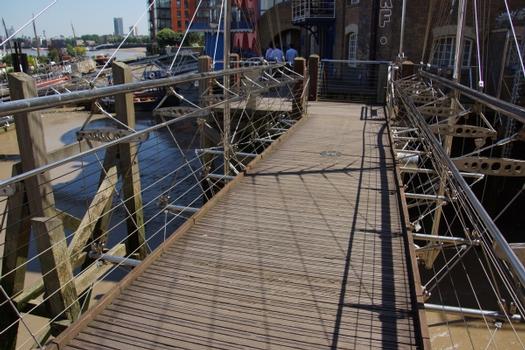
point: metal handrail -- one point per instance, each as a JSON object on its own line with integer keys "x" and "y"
{"x": 128, "y": 138}
{"x": 355, "y": 61}
{"x": 36, "y": 103}
{"x": 503, "y": 107}
{"x": 485, "y": 218}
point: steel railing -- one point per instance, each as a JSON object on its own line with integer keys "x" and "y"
{"x": 97, "y": 229}
{"x": 353, "y": 81}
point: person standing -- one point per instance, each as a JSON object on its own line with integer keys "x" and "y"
{"x": 291, "y": 54}
{"x": 269, "y": 53}
{"x": 277, "y": 55}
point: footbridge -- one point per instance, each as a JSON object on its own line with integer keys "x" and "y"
{"x": 261, "y": 217}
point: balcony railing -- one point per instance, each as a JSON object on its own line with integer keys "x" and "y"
{"x": 312, "y": 10}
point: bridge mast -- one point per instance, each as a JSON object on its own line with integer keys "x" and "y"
{"x": 226, "y": 82}
{"x": 454, "y": 108}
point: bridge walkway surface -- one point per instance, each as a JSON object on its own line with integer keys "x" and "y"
{"x": 306, "y": 250}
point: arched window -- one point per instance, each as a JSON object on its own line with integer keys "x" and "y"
{"x": 351, "y": 40}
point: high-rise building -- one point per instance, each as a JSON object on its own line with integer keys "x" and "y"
{"x": 118, "y": 26}
{"x": 173, "y": 14}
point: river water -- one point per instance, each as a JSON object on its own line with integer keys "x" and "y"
{"x": 122, "y": 54}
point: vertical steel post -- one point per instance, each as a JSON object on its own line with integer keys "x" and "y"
{"x": 226, "y": 82}
{"x": 402, "y": 36}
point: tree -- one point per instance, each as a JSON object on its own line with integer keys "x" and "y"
{"x": 8, "y": 59}
{"x": 167, "y": 36}
{"x": 80, "y": 51}
{"x": 91, "y": 37}
{"x": 70, "y": 50}
{"x": 195, "y": 39}
{"x": 53, "y": 55}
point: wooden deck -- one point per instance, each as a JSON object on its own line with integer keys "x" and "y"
{"x": 306, "y": 251}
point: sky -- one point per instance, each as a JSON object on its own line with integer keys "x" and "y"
{"x": 88, "y": 16}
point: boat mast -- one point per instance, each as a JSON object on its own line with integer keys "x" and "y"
{"x": 36, "y": 38}
{"x": 6, "y": 34}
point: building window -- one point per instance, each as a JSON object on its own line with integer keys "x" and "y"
{"x": 443, "y": 51}
{"x": 352, "y": 46}
{"x": 352, "y": 2}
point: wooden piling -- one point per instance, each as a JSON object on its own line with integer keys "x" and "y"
{"x": 298, "y": 102}
{"x": 56, "y": 269}
{"x": 313, "y": 73}
{"x": 129, "y": 167}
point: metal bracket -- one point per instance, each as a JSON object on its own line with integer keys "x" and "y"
{"x": 440, "y": 111}
{"x": 467, "y": 131}
{"x": 8, "y": 190}
{"x": 491, "y": 166}
{"x": 176, "y": 112}
{"x": 108, "y": 135}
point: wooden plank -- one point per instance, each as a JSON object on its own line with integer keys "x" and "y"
{"x": 56, "y": 269}
{"x": 69, "y": 221}
{"x": 93, "y": 273}
{"x": 284, "y": 257}
{"x": 67, "y": 336}
{"x": 93, "y": 213}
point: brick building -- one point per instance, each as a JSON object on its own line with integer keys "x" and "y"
{"x": 370, "y": 30}
{"x": 174, "y": 14}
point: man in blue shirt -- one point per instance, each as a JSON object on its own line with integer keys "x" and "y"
{"x": 291, "y": 54}
{"x": 269, "y": 53}
{"x": 277, "y": 55}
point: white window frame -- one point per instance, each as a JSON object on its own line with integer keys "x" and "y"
{"x": 443, "y": 50}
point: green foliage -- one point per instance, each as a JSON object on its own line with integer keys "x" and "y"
{"x": 8, "y": 59}
{"x": 167, "y": 36}
{"x": 195, "y": 39}
{"x": 80, "y": 51}
{"x": 94, "y": 37}
{"x": 76, "y": 51}
{"x": 70, "y": 50}
{"x": 53, "y": 55}
{"x": 31, "y": 60}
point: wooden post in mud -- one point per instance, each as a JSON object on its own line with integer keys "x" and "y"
{"x": 129, "y": 167}
{"x": 33, "y": 199}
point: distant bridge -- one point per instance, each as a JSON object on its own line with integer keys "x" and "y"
{"x": 115, "y": 45}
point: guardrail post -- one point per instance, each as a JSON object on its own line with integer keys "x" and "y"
{"x": 129, "y": 167}
{"x": 313, "y": 73}
{"x": 407, "y": 69}
{"x": 205, "y": 140}
{"x": 382, "y": 81}
{"x": 298, "y": 102}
